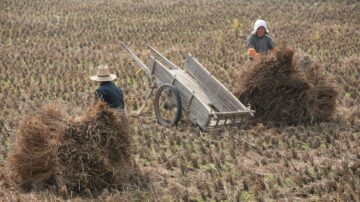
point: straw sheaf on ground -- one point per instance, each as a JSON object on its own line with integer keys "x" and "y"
{"x": 285, "y": 90}
{"x": 81, "y": 156}
{"x": 49, "y": 48}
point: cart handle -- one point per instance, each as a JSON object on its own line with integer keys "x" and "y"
{"x": 137, "y": 60}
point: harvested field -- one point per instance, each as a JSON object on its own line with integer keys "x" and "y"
{"x": 48, "y": 50}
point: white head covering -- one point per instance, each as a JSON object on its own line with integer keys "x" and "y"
{"x": 260, "y": 23}
{"x": 103, "y": 74}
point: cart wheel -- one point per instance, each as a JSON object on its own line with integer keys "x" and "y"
{"x": 167, "y": 105}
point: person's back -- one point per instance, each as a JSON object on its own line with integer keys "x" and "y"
{"x": 107, "y": 91}
{"x": 259, "y": 42}
{"x": 111, "y": 94}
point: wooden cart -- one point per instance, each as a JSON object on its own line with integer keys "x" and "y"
{"x": 206, "y": 102}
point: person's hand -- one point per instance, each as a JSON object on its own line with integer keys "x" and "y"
{"x": 273, "y": 51}
{"x": 252, "y": 52}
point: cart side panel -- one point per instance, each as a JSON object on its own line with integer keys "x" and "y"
{"x": 220, "y": 96}
{"x": 228, "y": 118}
{"x": 198, "y": 111}
{"x": 163, "y": 59}
{"x": 198, "y": 114}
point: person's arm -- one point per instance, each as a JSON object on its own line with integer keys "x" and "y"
{"x": 251, "y": 48}
{"x": 271, "y": 45}
{"x": 98, "y": 95}
{"x": 122, "y": 99}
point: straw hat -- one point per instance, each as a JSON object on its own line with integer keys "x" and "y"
{"x": 103, "y": 74}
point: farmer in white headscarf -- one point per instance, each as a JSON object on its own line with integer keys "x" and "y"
{"x": 259, "y": 41}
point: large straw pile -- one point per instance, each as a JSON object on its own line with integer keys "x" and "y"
{"x": 34, "y": 158}
{"x": 78, "y": 156}
{"x": 287, "y": 90}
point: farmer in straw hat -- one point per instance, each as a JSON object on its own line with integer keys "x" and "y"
{"x": 107, "y": 90}
{"x": 259, "y": 41}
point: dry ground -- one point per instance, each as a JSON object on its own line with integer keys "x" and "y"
{"x": 48, "y": 50}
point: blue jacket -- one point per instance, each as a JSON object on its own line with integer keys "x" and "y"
{"x": 111, "y": 94}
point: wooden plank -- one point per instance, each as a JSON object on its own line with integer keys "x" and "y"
{"x": 163, "y": 59}
{"x": 219, "y": 95}
{"x": 224, "y": 122}
{"x": 198, "y": 114}
{"x": 224, "y": 115}
{"x": 214, "y": 94}
{"x": 191, "y": 84}
{"x": 136, "y": 59}
{"x": 217, "y": 92}
{"x": 199, "y": 109}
